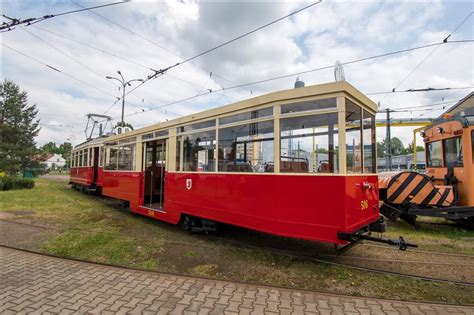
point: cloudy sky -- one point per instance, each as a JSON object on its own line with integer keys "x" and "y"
{"x": 142, "y": 35}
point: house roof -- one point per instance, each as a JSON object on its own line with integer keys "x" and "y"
{"x": 466, "y": 104}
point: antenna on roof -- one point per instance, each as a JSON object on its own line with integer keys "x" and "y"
{"x": 339, "y": 72}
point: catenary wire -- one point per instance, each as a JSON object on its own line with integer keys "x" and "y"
{"x": 315, "y": 70}
{"x": 223, "y": 44}
{"x": 428, "y": 56}
{"x": 69, "y": 56}
{"x": 15, "y": 22}
{"x": 156, "y": 44}
{"x": 57, "y": 70}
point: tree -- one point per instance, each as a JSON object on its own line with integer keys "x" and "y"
{"x": 409, "y": 149}
{"x": 381, "y": 149}
{"x": 18, "y": 128}
{"x": 397, "y": 147}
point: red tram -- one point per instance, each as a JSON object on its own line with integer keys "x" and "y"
{"x": 86, "y": 172}
{"x": 298, "y": 163}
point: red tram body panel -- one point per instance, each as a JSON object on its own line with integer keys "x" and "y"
{"x": 257, "y": 181}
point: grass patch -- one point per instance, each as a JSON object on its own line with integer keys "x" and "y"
{"x": 97, "y": 229}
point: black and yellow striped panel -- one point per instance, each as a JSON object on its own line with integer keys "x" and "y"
{"x": 416, "y": 188}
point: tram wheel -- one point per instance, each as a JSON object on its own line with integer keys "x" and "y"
{"x": 186, "y": 223}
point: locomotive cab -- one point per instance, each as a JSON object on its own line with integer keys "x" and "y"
{"x": 449, "y": 151}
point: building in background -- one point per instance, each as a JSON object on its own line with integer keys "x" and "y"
{"x": 55, "y": 161}
{"x": 465, "y": 105}
{"x": 402, "y": 162}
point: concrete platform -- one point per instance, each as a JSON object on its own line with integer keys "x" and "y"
{"x": 32, "y": 283}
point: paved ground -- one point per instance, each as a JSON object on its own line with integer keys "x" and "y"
{"x": 31, "y": 283}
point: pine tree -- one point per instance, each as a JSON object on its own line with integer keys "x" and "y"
{"x": 18, "y": 128}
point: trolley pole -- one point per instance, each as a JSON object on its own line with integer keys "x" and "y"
{"x": 124, "y": 84}
{"x": 388, "y": 142}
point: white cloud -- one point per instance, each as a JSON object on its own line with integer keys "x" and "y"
{"x": 316, "y": 37}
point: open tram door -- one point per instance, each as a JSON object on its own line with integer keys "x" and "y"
{"x": 154, "y": 168}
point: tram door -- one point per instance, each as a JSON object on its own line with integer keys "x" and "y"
{"x": 96, "y": 165}
{"x": 154, "y": 167}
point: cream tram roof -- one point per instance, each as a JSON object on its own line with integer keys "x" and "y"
{"x": 330, "y": 89}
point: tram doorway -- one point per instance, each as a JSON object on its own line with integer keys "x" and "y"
{"x": 95, "y": 165}
{"x": 154, "y": 167}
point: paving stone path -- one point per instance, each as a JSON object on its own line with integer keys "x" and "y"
{"x": 31, "y": 283}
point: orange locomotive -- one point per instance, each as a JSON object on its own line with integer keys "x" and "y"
{"x": 447, "y": 188}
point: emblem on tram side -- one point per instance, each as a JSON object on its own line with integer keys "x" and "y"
{"x": 189, "y": 183}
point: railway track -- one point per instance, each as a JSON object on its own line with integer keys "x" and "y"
{"x": 328, "y": 259}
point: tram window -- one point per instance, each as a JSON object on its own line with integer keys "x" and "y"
{"x": 433, "y": 154}
{"x": 196, "y": 126}
{"x": 163, "y": 133}
{"x": 147, "y": 136}
{"x": 472, "y": 145}
{"x": 178, "y": 153}
{"x": 308, "y": 144}
{"x": 80, "y": 158}
{"x": 76, "y": 159}
{"x": 368, "y": 125}
{"x": 86, "y": 157}
{"x": 353, "y": 138}
{"x": 126, "y": 158}
{"x": 247, "y": 148}
{"x": 198, "y": 153}
{"x": 111, "y": 156}
{"x": 325, "y": 103}
{"x": 266, "y": 112}
{"x": 453, "y": 155}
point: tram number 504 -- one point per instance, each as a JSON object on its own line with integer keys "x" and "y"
{"x": 364, "y": 204}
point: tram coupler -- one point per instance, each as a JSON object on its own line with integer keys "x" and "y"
{"x": 364, "y": 234}
{"x": 401, "y": 243}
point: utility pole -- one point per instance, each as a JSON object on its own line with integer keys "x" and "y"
{"x": 388, "y": 141}
{"x": 124, "y": 84}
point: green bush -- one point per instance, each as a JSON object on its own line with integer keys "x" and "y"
{"x": 10, "y": 183}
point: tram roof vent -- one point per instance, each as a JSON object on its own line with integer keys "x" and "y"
{"x": 299, "y": 83}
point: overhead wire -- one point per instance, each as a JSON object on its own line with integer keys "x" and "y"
{"x": 159, "y": 72}
{"x": 428, "y": 56}
{"x": 154, "y": 43}
{"x": 419, "y": 106}
{"x": 69, "y": 56}
{"x": 56, "y": 69}
{"x": 324, "y": 68}
{"x": 115, "y": 56}
{"x": 8, "y": 26}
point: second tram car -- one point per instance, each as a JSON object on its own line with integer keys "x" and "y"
{"x": 297, "y": 163}
{"x": 86, "y": 173}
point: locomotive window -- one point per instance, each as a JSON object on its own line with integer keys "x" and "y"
{"x": 368, "y": 125}
{"x": 353, "y": 138}
{"x": 247, "y": 148}
{"x": 196, "y": 126}
{"x": 452, "y": 149}
{"x": 309, "y": 144}
{"x": 266, "y": 112}
{"x": 198, "y": 151}
{"x": 433, "y": 154}
{"x": 309, "y": 105}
